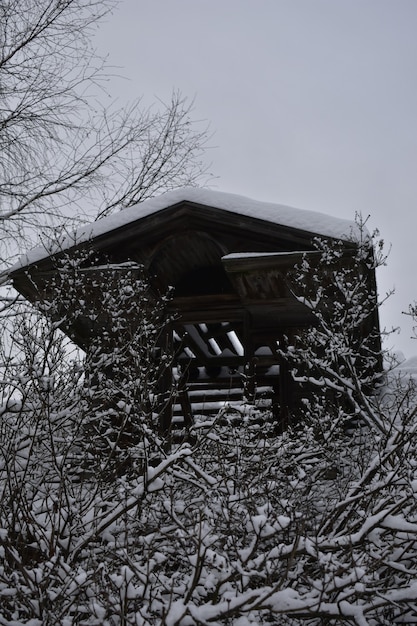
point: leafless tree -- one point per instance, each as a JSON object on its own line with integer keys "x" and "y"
{"x": 62, "y": 151}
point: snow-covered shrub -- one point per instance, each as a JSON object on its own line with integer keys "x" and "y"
{"x": 127, "y": 378}
{"x": 241, "y": 525}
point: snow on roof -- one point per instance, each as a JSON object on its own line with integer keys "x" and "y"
{"x": 308, "y": 221}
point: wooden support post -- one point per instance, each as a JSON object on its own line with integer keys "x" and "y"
{"x": 285, "y": 387}
{"x": 165, "y": 385}
{"x": 184, "y": 399}
{"x": 250, "y": 365}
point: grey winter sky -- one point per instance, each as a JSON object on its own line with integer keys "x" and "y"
{"x": 312, "y": 103}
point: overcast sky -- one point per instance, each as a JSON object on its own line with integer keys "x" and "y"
{"x": 312, "y": 103}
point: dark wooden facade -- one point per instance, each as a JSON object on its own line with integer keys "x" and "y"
{"x": 233, "y": 308}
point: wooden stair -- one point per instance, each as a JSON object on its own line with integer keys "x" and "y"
{"x": 205, "y": 397}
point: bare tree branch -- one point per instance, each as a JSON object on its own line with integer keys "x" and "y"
{"x": 61, "y": 150}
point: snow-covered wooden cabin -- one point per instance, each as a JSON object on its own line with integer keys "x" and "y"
{"x": 227, "y": 258}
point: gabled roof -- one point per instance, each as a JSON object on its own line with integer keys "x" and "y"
{"x": 308, "y": 223}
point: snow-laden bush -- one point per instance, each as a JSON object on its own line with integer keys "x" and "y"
{"x": 105, "y": 521}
